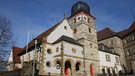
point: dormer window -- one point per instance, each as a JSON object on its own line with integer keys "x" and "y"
{"x": 103, "y": 47}
{"x": 112, "y": 50}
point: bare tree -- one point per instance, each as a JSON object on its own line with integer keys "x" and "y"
{"x": 6, "y": 39}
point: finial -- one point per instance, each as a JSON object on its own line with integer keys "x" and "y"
{"x": 64, "y": 16}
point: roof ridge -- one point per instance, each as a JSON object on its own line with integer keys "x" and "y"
{"x": 105, "y": 33}
{"x": 128, "y": 30}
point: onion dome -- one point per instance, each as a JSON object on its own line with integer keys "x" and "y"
{"x": 80, "y": 6}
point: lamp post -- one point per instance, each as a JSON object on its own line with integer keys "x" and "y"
{"x": 36, "y": 40}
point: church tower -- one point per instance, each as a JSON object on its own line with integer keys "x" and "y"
{"x": 84, "y": 31}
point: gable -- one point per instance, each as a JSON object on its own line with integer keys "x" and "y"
{"x": 10, "y": 58}
{"x": 62, "y": 29}
{"x": 52, "y": 34}
{"x": 39, "y": 37}
{"x": 13, "y": 57}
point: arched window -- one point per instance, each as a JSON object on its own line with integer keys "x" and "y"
{"x": 77, "y": 66}
{"x": 57, "y": 49}
{"x": 89, "y": 30}
{"x": 58, "y": 64}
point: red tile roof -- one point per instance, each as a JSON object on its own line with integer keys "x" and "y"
{"x": 39, "y": 37}
{"x": 130, "y": 29}
{"x": 105, "y": 33}
{"x": 122, "y": 33}
{"x": 16, "y": 50}
{"x": 127, "y": 31}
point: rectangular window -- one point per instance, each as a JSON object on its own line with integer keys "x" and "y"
{"x": 117, "y": 59}
{"x": 108, "y": 58}
{"x": 111, "y": 42}
{"x": 90, "y": 45}
{"x": 133, "y": 37}
{"x": 75, "y": 20}
{"x": 74, "y": 31}
{"x": 89, "y": 30}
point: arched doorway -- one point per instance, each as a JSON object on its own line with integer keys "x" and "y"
{"x": 91, "y": 70}
{"x": 67, "y": 68}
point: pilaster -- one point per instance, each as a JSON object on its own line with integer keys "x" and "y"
{"x": 42, "y": 70}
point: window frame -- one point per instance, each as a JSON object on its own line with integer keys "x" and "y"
{"x": 108, "y": 57}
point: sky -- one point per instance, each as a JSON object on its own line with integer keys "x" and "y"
{"x": 39, "y": 15}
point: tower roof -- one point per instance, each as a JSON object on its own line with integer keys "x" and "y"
{"x": 80, "y": 6}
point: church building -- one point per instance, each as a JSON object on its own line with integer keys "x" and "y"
{"x": 72, "y": 47}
